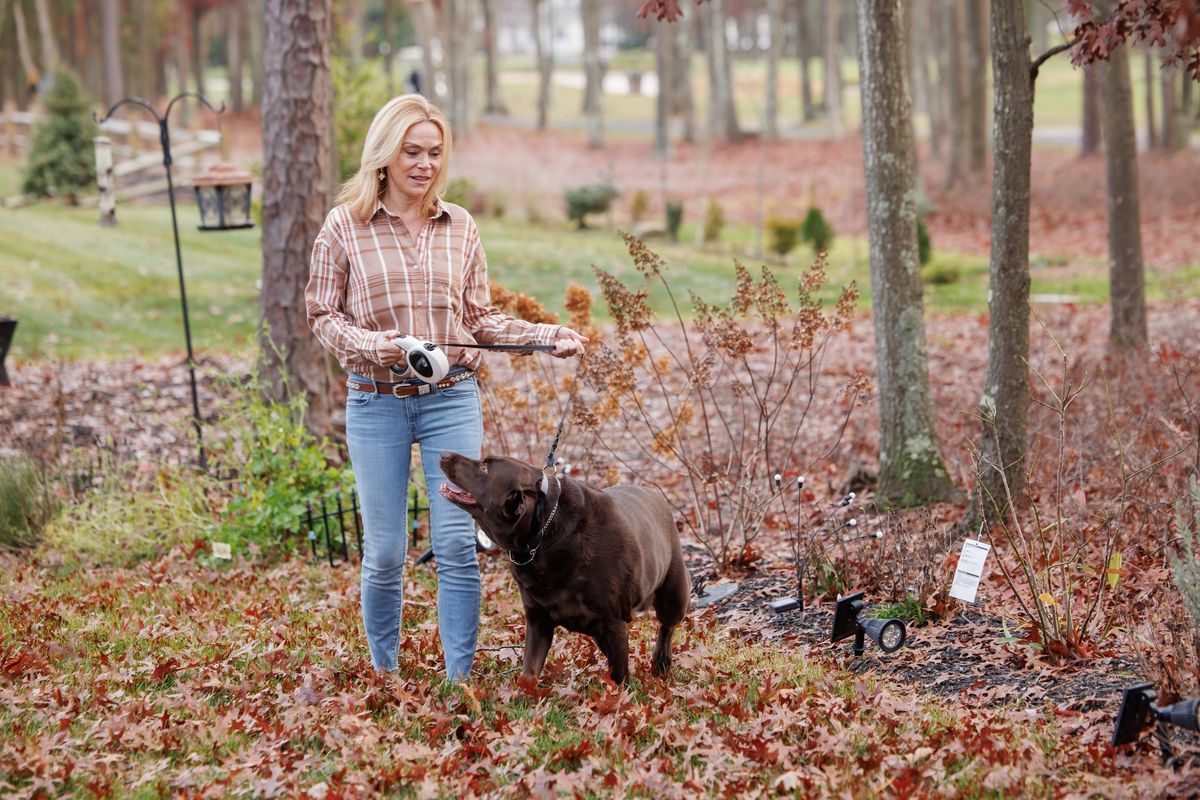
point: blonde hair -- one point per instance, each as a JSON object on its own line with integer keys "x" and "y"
{"x": 385, "y": 137}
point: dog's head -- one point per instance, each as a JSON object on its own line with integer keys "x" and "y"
{"x": 503, "y": 495}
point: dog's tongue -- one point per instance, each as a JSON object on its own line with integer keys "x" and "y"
{"x": 456, "y": 494}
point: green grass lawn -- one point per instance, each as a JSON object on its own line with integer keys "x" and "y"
{"x": 81, "y": 291}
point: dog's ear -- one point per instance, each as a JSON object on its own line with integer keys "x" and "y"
{"x": 513, "y": 503}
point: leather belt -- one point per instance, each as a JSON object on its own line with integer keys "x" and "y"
{"x": 409, "y": 389}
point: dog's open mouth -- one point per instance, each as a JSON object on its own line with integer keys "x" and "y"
{"x": 456, "y": 494}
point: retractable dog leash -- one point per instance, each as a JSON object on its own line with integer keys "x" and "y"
{"x": 428, "y": 361}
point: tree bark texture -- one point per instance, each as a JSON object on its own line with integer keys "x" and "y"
{"x": 911, "y": 469}
{"x": 956, "y": 93}
{"x": 110, "y": 39}
{"x": 722, "y": 115}
{"x": 494, "y": 103}
{"x": 1090, "y": 141}
{"x": 977, "y": 68}
{"x": 50, "y": 56}
{"x": 771, "y": 106}
{"x": 1126, "y": 271}
{"x": 1005, "y": 401}
{"x": 297, "y": 181}
{"x": 831, "y": 92}
{"x": 234, "y": 22}
{"x": 682, "y": 102}
{"x": 543, "y": 45}
{"x": 593, "y": 90}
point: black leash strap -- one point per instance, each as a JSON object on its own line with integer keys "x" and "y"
{"x": 504, "y": 348}
{"x": 566, "y": 411}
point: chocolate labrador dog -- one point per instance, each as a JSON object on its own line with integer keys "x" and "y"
{"x": 582, "y": 558}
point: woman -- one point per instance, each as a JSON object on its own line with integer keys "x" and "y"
{"x": 394, "y": 258}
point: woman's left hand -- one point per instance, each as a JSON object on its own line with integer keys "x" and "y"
{"x": 568, "y": 343}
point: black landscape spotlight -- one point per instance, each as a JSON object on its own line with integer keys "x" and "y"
{"x": 1138, "y": 711}
{"x": 889, "y": 634}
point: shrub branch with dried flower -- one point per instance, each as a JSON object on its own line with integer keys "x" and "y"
{"x": 1067, "y": 546}
{"x": 709, "y": 409}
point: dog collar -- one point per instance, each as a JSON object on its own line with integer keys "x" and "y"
{"x": 537, "y": 540}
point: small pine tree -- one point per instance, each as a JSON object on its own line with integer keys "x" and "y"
{"x": 674, "y": 218}
{"x": 62, "y": 158}
{"x": 714, "y": 220}
{"x": 816, "y": 231}
{"x": 639, "y": 206}
{"x": 924, "y": 244}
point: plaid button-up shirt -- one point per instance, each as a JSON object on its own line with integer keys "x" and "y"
{"x": 369, "y": 277}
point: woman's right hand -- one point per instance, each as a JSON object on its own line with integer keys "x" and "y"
{"x": 388, "y": 352}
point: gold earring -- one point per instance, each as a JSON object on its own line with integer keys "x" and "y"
{"x": 383, "y": 176}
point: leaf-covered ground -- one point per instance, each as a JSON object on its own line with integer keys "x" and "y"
{"x": 183, "y": 676}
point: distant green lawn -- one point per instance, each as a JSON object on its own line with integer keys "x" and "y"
{"x": 80, "y": 291}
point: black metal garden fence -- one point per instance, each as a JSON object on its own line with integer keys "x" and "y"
{"x": 336, "y": 524}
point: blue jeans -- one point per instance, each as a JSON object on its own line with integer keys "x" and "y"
{"x": 380, "y": 431}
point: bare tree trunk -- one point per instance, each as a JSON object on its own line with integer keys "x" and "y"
{"x": 110, "y": 39}
{"x": 804, "y": 51}
{"x": 33, "y": 75}
{"x": 682, "y": 100}
{"x": 389, "y": 46}
{"x": 771, "y": 108}
{"x": 351, "y": 15}
{"x": 933, "y": 96}
{"x": 1152, "y": 140}
{"x": 297, "y": 181}
{"x": 234, "y": 54}
{"x": 199, "y": 50}
{"x": 663, "y": 51}
{"x": 1038, "y": 13}
{"x": 1186, "y": 115}
{"x": 495, "y": 103}
{"x": 1092, "y": 136}
{"x": 50, "y": 56}
{"x": 957, "y": 131}
{"x": 976, "y": 68}
{"x": 1169, "y": 80}
{"x": 593, "y": 91}
{"x": 911, "y": 469}
{"x": 424, "y": 24}
{"x": 458, "y": 47}
{"x": 722, "y": 114}
{"x": 544, "y": 47}
{"x": 1005, "y": 402}
{"x": 832, "y": 91}
{"x": 258, "y": 46}
{"x": 1126, "y": 271}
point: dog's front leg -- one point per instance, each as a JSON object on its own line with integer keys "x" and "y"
{"x": 539, "y": 633}
{"x": 614, "y": 643}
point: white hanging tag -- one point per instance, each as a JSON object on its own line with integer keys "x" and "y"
{"x": 970, "y": 570}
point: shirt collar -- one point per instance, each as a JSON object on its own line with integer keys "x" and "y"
{"x": 439, "y": 209}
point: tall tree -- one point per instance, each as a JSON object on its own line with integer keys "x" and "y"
{"x": 956, "y": 92}
{"x": 1127, "y": 281}
{"x": 33, "y": 75}
{"x": 1005, "y": 402}
{"x": 593, "y": 90}
{"x": 804, "y": 52}
{"x": 1171, "y": 140}
{"x": 494, "y": 103}
{"x": 110, "y": 38}
{"x": 977, "y": 69}
{"x": 682, "y": 100}
{"x": 771, "y": 108}
{"x": 911, "y": 470}
{"x": 298, "y": 179}
{"x": 458, "y": 46}
{"x": 234, "y": 53}
{"x": 258, "y": 46}
{"x": 930, "y": 92}
{"x": 424, "y": 23}
{"x": 50, "y": 56}
{"x": 1092, "y": 136}
{"x": 722, "y": 112}
{"x": 663, "y": 67}
{"x": 543, "y": 43}
{"x": 197, "y": 45}
{"x": 832, "y": 90}
{"x": 389, "y": 46}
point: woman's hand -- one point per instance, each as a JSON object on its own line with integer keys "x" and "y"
{"x": 388, "y": 352}
{"x": 568, "y": 343}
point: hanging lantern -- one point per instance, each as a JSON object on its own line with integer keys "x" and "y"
{"x": 223, "y": 196}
